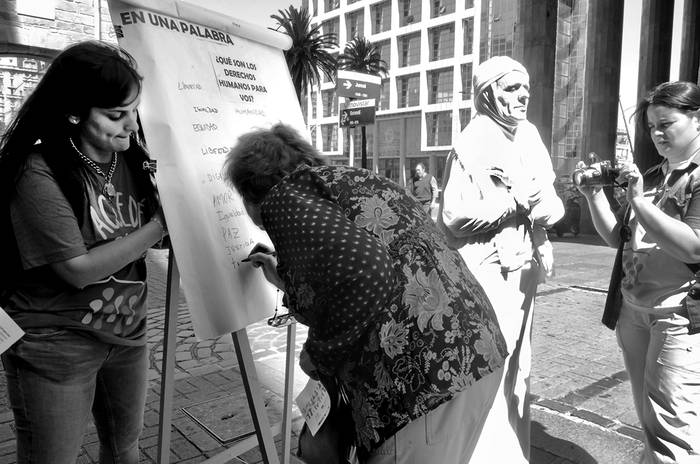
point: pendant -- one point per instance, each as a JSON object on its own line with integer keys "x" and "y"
{"x": 109, "y": 190}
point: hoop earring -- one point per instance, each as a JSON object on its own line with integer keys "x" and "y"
{"x": 73, "y": 119}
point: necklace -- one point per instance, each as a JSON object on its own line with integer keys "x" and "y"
{"x": 108, "y": 188}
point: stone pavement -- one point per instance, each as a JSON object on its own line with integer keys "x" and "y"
{"x": 582, "y": 409}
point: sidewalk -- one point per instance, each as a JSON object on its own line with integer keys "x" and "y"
{"x": 582, "y": 409}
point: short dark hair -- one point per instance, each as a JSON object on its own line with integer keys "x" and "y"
{"x": 681, "y": 95}
{"x": 263, "y": 157}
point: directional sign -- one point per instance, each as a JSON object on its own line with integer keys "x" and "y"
{"x": 358, "y": 113}
{"x": 357, "y": 85}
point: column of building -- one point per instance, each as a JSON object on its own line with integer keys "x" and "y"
{"x": 602, "y": 78}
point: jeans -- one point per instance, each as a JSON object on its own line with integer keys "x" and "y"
{"x": 56, "y": 377}
{"x": 663, "y": 362}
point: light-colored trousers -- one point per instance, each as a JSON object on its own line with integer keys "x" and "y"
{"x": 663, "y": 362}
{"x": 446, "y": 435}
{"x": 505, "y": 437}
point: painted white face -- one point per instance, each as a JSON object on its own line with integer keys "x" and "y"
{"x": 673, "y": 131}
{"x": 512, "y": 93}
{"x": 106, "y": 130}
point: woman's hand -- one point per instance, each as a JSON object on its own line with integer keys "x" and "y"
{"x": 263, "y": 257}
{"x": 635, "y": 182}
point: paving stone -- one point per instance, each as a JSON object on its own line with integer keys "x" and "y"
{"x": 184, "y": 449}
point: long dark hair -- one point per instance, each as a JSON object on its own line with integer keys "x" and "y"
{"x": 86, "y": 75}
{"x": 83, "y": 76}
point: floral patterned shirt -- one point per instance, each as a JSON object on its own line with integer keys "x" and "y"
{"x": 394, "y": 315}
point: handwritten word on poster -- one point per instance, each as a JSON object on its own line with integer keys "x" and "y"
{"x": 204, "y": 86}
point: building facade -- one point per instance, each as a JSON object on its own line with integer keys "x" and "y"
{"x": 32, "y": 32}
{"x": 432, "y": 47}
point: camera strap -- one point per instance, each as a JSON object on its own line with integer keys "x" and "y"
{"x": 613, "y": 301}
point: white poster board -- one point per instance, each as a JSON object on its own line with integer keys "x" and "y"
{"x": 203, "y": 87}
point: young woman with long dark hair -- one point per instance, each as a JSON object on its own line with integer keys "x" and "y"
{"x": 78, "y": 211}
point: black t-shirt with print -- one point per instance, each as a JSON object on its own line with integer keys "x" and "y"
{"x": 112, "y": 309}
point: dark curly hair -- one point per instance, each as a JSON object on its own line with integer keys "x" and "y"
{"x": 263, "y": 157}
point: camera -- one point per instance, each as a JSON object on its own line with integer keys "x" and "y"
{"x": 604, "y": 175}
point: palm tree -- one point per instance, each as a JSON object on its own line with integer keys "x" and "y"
{"x": 309, "y": 51}
{"x": 361, "y": 55}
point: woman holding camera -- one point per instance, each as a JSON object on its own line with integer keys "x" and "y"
{"x": 660, "y": 346}
{"x": 78, "y": 213}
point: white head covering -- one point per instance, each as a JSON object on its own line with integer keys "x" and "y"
{"x": 487, "y": 74}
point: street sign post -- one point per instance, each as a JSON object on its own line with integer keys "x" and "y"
{"x": 358, "y": 113}
{"x": 352, "y": 84}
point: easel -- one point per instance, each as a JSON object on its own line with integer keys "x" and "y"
{"x": 263, "y": 432}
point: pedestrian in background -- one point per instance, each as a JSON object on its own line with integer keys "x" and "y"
{"x": 424, "y": 188}
{"x": 396, "y": 319}
{"x": 653, "y": 330}
{"x": 78, "y": 214}
{"x": 498, "y": 199}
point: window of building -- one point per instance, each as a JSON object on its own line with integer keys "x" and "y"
{"x": 465, "y": 115}
{"x": 312, "y": 130}
{"x": 305, "y": 106}
{"x": 381, "y": 17}
{"x": 440, "y": 85}
{"x": 412, "y": 135}
{"x": 331, "y": 26}
{"x": 331, "y": 5}
{"x": 389, "y": 168}
{"x": 356, "y": 135}
{"x": 468, "y": 29}
{"x": 384, "y": 95}
{"x": 314, "y": 98}
{"x": 314, "y": 8}
{"x": 468, "y": 3}
{"x": 355, "y": 24}
{"x": 385, "y": 51}
{"x": 441, "y": 7}
{"x": 442, "y": 42}
{"x": 329, "y": 137}
{"x": 324, "y": 77}
{"x": 19, "y": 76}
{"x": 389, "y": 138}
{"x": 466, "y": 81}
{"x": 409, "y": 12}
{"x": 408, "y": 89}
{"x": 439, "y": 128}
{"x": 409, "y": 49}
{"x": 329, "y": 102}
